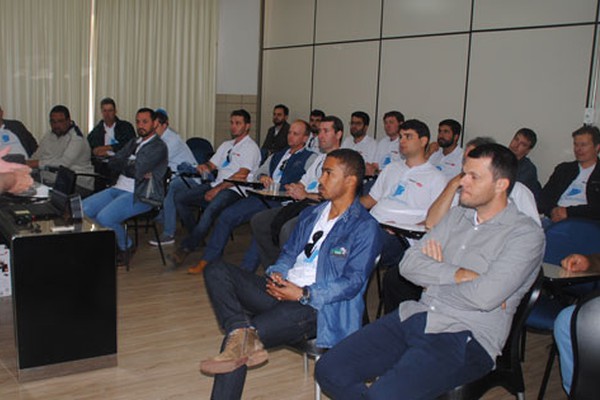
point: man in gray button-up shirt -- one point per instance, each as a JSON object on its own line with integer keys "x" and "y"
{"x": 475, "y": 265}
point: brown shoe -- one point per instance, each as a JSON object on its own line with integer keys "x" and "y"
{"x": 255, "y": 350}
{"x": 198, "y": 268}
{"x": 231, "y": 358}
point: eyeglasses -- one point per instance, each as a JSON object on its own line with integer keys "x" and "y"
{"x": 308, "y": 249}
{"x": 229, "y": 155}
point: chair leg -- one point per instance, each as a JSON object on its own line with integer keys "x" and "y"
{"x": 305, "y": 358}
{"x": 379, "y": 292}
{"x": 162, "y": 254}
{"x": 317, "y": 387}
{"x": 546, "y": 377}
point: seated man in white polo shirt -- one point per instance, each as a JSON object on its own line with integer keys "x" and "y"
{"x": 405, "y": 189}
{"x": 234, "y": 159}
{"x": 445, "y": 154}
{"x": 359, "y": 141}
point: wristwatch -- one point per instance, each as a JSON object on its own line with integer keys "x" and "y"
{"x": 305, "y": 298}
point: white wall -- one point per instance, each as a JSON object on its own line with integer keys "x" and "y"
{"x": 238, "y": 47}
{"x": 522, "y": 63}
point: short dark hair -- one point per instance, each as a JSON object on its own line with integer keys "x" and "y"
{"x": 362, "y": 115}
{"x": 317, "y": 113}
{"x": 354, "y": 165}
{"x": 589, "y": 130}
{"x": 61, "y": 110}
{"x": 480, "y": 140}
{"x": 107, "y": 101}
{"x": 161, "y": 117}
{"x": 242, "y": 113}
{"x": 503, "y": 163}
{"x": 395, "y": 114}
{"x": 147, "y": 110}
{"x": 286, "y": 110}
{"x": 338, "y": 125}
{"x": 528, "y": 134}
{"x": 454, "y": 125}
{"x": 418, "y": 126}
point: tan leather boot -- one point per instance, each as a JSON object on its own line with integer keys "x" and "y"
{"x": 231, "y": 358}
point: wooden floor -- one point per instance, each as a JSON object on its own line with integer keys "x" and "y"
{"x": 166, "y": 325}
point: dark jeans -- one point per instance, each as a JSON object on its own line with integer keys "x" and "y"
{"x": 261, "y": 233}
{"x": 211, "y": 212}
{"x": 409, "y": 363}
{"x": 239, "y": 300}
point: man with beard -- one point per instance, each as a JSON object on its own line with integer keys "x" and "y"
{"x": 314, "y": 289}
{"x": 63, "y": 145}
{"x": 276, "y": 139}
{"x": 359, "y": 140}
{"x": 446, "y": 154}
{"x": 234, "y": 159}
{"x": 315, "y": 121}
{"x": 477, "y": 264}
{"x": 142, "y": 164}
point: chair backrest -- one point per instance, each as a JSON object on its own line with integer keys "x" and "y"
{"x": 510, "y": 357}
{"x": 201, "y": 149}
{"x": 585, "y": 334}
{"x": 570, "y": 236}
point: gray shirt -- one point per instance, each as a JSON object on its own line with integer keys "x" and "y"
{"x": 506, "y": 251}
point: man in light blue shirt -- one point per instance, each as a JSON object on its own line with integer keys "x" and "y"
{"x": 179, "y": 152}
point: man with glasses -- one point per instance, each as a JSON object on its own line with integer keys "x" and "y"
{"x": 314, "y": 289}
{"x": 63, "y": 145}
{"x": 359, "y": 140}
{"x": 234, "y": 159}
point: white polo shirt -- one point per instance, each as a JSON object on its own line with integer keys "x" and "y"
{"x": 404, "y": 194}
{"x": 366, "y": 147}
{"x": 231, "y": 156}
{"x": 450, "y": 165}
{"x": 310, "y": 179}
{"x": 7, "y": 138}
{"x": 387, "y": 151}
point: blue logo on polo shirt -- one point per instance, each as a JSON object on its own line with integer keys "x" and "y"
{"x": 312, "y": 186}
{"x": 399, "y": 190}
{"x": 387, "y": 160}
{"x": 5, "y": 138}
{"x": 574, "y": 192}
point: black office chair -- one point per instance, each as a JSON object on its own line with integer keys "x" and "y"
{"x": 508, "y": 372}
{"x": 585, "y": 334}
{"x": 201, "y": 149}
{"x": 148, "y": 220}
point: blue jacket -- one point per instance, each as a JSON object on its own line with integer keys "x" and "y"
{"x": 294, "y": 168}
{"x": 346, "y": 259}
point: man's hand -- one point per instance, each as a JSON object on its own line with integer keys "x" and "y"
{"x": 6, "y": 166}
{"x": 432, "y": 148}
{"x": 212, "y": 193}
{"x": 202, "y": 168}
{"x": 433, "y": 249}
{"x": 371, "y": 169}
{"x": 575, "y": 263}
{"x": 101, "y": 151}
{"x": 266, "y": 181}
{"x": 296, "y": 191}
{"x": 558, "y": 214}
{"x": 16, "y": 181}
{"x": 282, "y": 289}
{"x": 465, "y": 275}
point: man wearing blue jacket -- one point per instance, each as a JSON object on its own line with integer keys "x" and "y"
{"x": 314, "y": 289}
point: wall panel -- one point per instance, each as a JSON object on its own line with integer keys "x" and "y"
{"x": 534, "y": 78}
{"x": 348, "y": 20}
{"x": 288, "y": 22}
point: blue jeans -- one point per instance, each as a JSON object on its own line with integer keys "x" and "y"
{"x": 239, "y": 300}
{"x": 186, "y": 201}
{"x": 410, "y": 363}
{"x": 562, "y": 336}
{"x": 211, "y": 212}
{"x": 110, "y": 208}
{"x": 230, "y": 218}
{"x": 178, "y": 187}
